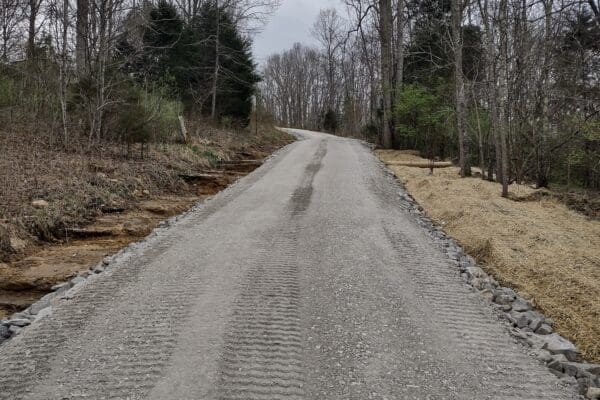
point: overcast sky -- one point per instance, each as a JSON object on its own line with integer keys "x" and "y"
{"x": 290, "y": 24}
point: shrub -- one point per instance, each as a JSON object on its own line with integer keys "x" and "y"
{"x": 331, "y": 121}
{"x": 146, "y": 116}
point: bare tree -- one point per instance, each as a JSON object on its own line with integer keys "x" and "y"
{"x": 385, "y": 36}
{"x": 82, "y": 27}
{"x": 11, "y": 16}
{"x": 400, "y": 26}
{"x": 215, "y": 82}
{"x": 459, "y": 88}
{"x": 32, "y": 12}
{"x": 329, "y": 32}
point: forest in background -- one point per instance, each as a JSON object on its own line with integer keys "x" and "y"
{"x": 125, "y": 70}
{"x": 509, "y": 86}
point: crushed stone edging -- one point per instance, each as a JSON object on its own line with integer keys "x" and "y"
{"x": 526, "y": 325}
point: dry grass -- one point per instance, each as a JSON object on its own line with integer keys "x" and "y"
{"x": 534, "y": 244}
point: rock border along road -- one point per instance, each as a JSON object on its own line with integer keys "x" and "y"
{"x": 305, "y": 280}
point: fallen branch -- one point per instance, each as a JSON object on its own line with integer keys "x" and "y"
{"x": 421, "y": 164}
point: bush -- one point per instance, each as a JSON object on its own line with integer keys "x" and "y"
{"x": 162, "y": 114}
{"x": 422, "y": 118}
{"x": 8, "y": 92}
{"x": 370, "y": 131}
{"x": 331, "y": 121}
{"x": 146, "y": 116}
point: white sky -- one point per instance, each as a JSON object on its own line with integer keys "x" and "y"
{"x": 291, "y": 23}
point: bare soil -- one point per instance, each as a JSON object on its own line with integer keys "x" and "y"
{"x": 98, "y": 201}
{"x": 532, "y": 241}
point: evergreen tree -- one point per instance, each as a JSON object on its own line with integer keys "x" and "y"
{"x": 164, "y": 44}
{"x": 236, "y": 76}
{"x": 182, "y": 56}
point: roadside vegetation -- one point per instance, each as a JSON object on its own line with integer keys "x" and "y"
{"x": 531, "y": 241}
{"x": 115, "y": 114}
{"x": 107, "y": 100}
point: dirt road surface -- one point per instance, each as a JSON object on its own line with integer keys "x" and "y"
{"x": 304, "y": 280}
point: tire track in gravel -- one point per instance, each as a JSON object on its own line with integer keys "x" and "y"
{"x": 263, "y": 352}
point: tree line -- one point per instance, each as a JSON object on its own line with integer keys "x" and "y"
{"x": 510, "y": 87}
{"x": 127, "y": 69}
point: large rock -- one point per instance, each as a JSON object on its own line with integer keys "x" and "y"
{"x": 39, "y": 203}
{"x": 556, "y": 344}
{"x": 42, "y": 303}
{"x": 536, "y": 323}
{"x": 20, "y": 322}
{"x": 521, "y": 306}
{"x": 488, "y": 295}
{"x": 476, "y": 272}
{"x": 544, "y": 356}
{"x": 581, "y": 369}
{"x": 503, "y": 299}
{"x": 481, "y": 283}
{"x": 4, "y": 333}
{"x": 544, "y": 329}
{"x": 593, "y": 393}
{"x": 77, "y": 280}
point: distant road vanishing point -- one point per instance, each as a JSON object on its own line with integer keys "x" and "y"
{"x": 304, "y": 280}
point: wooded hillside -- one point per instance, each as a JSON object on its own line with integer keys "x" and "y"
{"x": 511, "y": 87}
{"x": 126, "y": 70}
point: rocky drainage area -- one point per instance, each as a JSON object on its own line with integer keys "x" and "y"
{"x": 526, "y": 325}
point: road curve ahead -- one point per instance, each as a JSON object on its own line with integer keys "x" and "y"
{"x": 305, "y": 280}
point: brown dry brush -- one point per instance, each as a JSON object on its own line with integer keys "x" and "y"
{"x": 79, "y": 181}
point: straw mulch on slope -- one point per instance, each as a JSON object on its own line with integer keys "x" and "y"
{"x": 535, "y": 244}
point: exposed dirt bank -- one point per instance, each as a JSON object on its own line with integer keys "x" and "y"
{"x": 531, "y": 242}
{"x": 63, "y": 210}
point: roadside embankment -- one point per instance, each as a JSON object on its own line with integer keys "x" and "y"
{"x": 534, "y": 244}
{"x": 63, "y": 209}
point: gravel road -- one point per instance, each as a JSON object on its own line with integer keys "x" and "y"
{"x": 305, "y": 280}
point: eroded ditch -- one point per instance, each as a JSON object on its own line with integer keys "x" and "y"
{"x": 27, "y": 278}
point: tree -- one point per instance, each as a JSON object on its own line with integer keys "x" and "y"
{"x": 11, "y": 16}
{"x": 459, "y": 88}
{"x": 225, "y": 60}
{"x": 385, "y": 36}
{"x": 82, "y": 58}
{"x": 328, "y": 30}
{"x": 33, "y": 9}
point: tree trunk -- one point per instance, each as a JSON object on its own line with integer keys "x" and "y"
{"x": 34, "y": 7}
{"x": 81, "y": 40}
{"x": 385, "y": 35}
{"x": 63, "y": 69}
{"x": 503, "y": 95}
{"x": 399, "y": 49}
{"x": 213, "y": 110}
{"x": 479, "y": 138}
{"x": 459, "y": 89}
